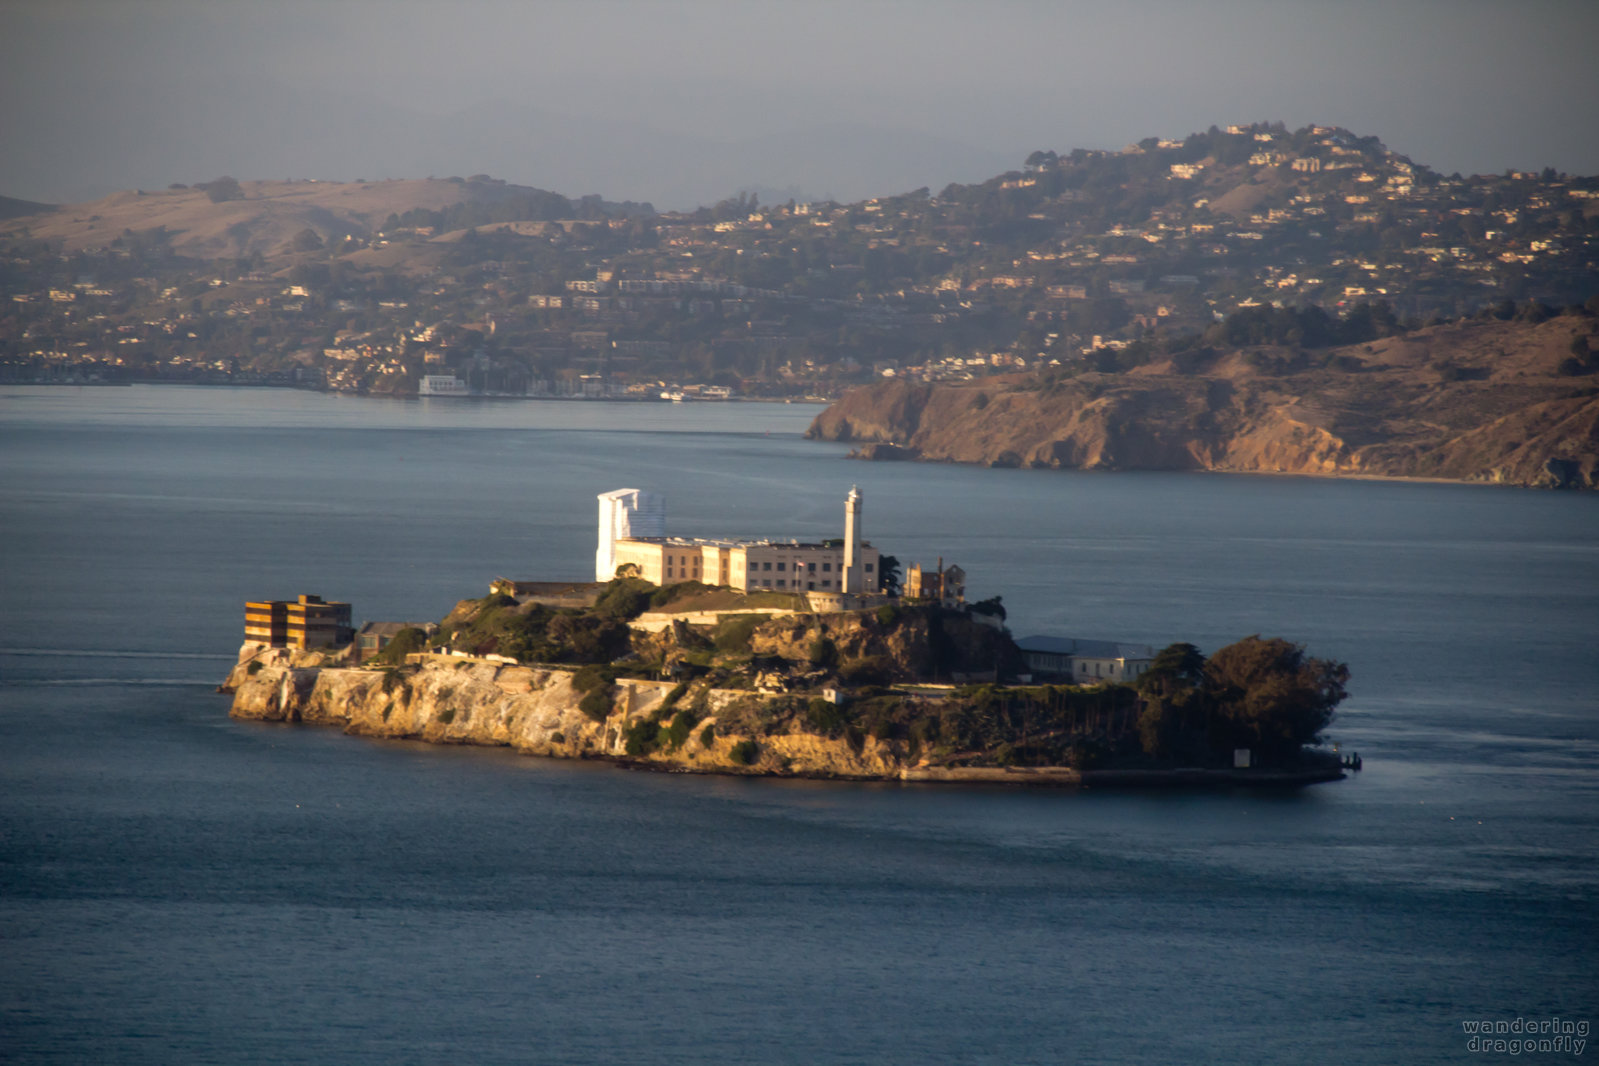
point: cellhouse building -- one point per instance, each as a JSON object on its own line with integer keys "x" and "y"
{"x": 633, "y": 542}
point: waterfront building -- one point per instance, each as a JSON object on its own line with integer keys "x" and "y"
{"x": 308, "y": 622}
{"x": 941, "y": 585}
{"x": 1087, "y": 662}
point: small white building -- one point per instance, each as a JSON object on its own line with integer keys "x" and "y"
{"x": 1086, "y": 662}
{"x": 442, "y": 385}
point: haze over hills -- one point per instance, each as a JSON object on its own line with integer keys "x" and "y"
{"x": 1076, "y": 264}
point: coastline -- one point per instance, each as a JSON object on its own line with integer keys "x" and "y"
{"x": 536, "y": 710}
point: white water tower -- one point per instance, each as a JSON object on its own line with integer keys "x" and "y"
{"x": 626, "y": 514}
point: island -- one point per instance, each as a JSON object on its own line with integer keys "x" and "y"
{"x": 727, "y": 668}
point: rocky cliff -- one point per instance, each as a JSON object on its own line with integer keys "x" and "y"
{"x": 1489, "y": 401}
{"x": 534, "y": 710}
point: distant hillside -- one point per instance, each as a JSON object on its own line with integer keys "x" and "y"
{"x": 1083, "y": 262}
{"x": 13, "y": 208}
{"x": 265, "y": 217}
{"x": 1484, "y": 400}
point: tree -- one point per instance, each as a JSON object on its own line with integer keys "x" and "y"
{"x": 1267, "y": 695}
{"x": 1174, "y": 702}
{"x": 888, "y": 575}
{"x": 222, "y": 189}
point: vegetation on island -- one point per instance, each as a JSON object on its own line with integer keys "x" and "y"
{"x": 932, "y": 685}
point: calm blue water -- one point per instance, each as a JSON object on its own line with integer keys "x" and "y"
{"x": 179, "y": 887}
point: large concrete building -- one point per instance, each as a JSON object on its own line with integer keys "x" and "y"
{"x": 626, "y": 514}
{"x": 849, "y": 564}
{"x": 308, "y": 622}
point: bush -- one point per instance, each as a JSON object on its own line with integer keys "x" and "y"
{"x": 624, "y": 597}
{"x": 254, "y": 667}
{"x": 408, "y": 640}
{"x": 591, "y": 677}
{"x": 597, "y": 703}
{"x": 734, "y": 632}
{"x": 887, "y": 614}
{"x": 447, "y": 715}
{"x": 708, "y": 736}
{"x": 825, "y": 717}
{"x": 642, "y": 737}
{"x": 678, "y": 692}
{"x": 823, "y": 653}
{"x": 745, "y": 752}
{"x": 677, "y": 734}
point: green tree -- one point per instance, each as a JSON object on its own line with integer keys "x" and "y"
{"x": 1268, "y": 696}
{"x": 888, "y": 575}
{"x": 222, "y": 189}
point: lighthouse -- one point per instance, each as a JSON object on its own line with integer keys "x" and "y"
{"x": 852, "y": 541}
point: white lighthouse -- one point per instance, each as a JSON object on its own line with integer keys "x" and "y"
{"x": 852, "y": 541}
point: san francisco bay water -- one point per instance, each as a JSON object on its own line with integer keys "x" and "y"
{"x": 179, "y": 887}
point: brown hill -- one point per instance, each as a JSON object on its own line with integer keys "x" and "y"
{"x": 265, "y": 219}
{"x": 1471, "y": 401}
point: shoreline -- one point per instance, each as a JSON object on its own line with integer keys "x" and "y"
{"x": 537, "y": 711}
{"x": 1404, "y": 479}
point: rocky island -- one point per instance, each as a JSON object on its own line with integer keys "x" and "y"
{"x": 696, "y": 679}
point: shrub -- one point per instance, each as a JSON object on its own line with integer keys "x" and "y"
{"x": 745, "y": 752}
{"x": 408, "y": 640}
{"x": 597, "y": 703}
{"x": 447, "y": 715}
{"x": 642, "y": 737}
{"x": 733, "y": 633}
{"x": 823, "y": 653}
{"x": 254, "y": 667}
{"x": 708, "y": 736}
{"x": 591, "y": 677}
{"x": 676, "y": 734}
{"x": 624, "y": 597}
{"x": 825, "y": 717}
{"x": 887, "y": 614}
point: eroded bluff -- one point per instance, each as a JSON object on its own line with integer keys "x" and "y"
{"x": 1480, "y": 401}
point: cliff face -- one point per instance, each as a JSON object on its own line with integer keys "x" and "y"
{"x": 532, "y": 710}
{"x": 1471, "y": 402}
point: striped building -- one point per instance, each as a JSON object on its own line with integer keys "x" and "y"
{"x": 308, "y": 622}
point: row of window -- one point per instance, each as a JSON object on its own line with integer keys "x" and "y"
{"x": 827, "y": 568}
{"x": 766, "y": 583}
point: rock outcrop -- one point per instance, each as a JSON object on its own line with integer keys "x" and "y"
{"x": 534, "y": 710}
{"x": 1479, "y": 401}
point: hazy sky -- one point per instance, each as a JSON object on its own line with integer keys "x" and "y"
{"x": 686, "y": 102}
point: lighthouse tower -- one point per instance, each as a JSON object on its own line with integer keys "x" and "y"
{"x": 852, "y": 541}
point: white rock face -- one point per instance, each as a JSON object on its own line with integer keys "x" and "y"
{"x": 531, "y": 709}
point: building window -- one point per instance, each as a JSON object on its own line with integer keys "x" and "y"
{"x": 827, "y": 568}
{"x": 811, "y": 567}
{"x": 780, "y": 583}
{"x": 780, "y": 567}
{"x": 766, "y": 566}
{"x": 868, "y": 568}
{"x": 810, "y": 584}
